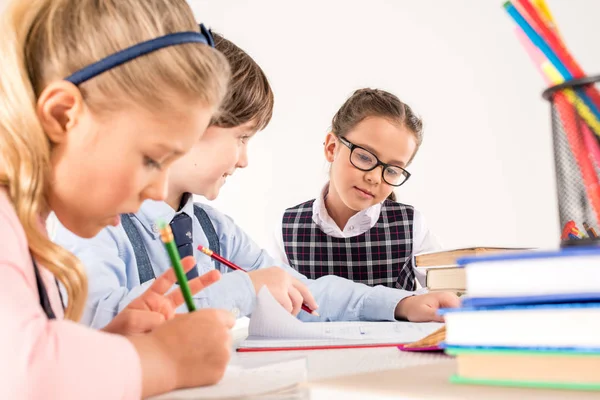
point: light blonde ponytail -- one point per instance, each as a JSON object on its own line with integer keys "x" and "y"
{"x": 24, "y": 156}
{"x": 46, "y": 40}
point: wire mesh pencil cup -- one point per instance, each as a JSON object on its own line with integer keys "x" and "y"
{"x": 575, "y": 108}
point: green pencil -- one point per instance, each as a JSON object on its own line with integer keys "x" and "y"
{"x": 166, "y": 235}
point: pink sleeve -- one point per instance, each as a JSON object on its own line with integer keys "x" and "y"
{"x": 56, "y": 359}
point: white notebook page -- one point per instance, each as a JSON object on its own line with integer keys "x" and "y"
{"x": 272, "y": 326}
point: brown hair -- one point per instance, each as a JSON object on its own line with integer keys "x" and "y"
{"x": 47, "y": 40}
{"x": 377, "y": 103}
{"x": 249, "y": 96}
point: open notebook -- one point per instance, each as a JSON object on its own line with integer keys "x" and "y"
{"x": 277, "y": 380}
{"x": 273, "y": 328}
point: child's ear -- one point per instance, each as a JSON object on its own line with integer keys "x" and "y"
{"x": 330, "y": 146}
{"x": 58, "y": 109}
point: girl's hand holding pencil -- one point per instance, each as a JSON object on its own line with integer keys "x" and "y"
{"x": 192, "y": 342}
{"x": 155, "y": 306}
{"x": 190, "y": 350}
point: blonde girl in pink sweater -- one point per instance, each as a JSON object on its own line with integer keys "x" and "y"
{"x": 97, "y": 99}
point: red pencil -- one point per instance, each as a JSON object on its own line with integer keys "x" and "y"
{"x": 231, "y": 265}
{"x": 587, "y": 171}
{"x": 557, "y": 46}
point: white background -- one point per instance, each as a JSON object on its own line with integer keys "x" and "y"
{"x": 484, "y": 175}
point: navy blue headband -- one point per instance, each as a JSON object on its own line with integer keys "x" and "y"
{"x": 138, "y": 50}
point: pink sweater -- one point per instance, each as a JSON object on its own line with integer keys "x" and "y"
{"x": 52, "y": 359}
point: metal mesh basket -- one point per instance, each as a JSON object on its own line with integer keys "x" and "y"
{"x": 575, "y": 119}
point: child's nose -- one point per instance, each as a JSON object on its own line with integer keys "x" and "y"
{"x": 243, "y": 159}
{"x": 374, "y": 176}
{"x": 157, "y": 190}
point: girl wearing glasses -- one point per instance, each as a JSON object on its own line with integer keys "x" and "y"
{"x": 355, "y": 228}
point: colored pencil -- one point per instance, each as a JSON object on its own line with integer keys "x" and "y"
{"x": 231, "y": 265}
{"x": 166, "y": 235}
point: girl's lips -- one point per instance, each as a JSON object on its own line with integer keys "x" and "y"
{"x": 365, "y": 193}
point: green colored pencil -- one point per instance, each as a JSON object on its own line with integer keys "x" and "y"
{"x": 166, "y": 235}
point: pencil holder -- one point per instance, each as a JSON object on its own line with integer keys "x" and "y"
{"x": 575, "y": 107}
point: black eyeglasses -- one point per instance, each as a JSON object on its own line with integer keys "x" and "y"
{"x": 364, "y": 160}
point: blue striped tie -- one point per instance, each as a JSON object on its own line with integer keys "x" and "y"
{"x": 181, "y": 225}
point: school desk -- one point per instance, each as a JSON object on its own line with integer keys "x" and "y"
{"x": 426, "y": 382}
{"x": 387, "y": 373}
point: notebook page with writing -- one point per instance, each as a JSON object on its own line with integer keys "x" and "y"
{"x": 271, "y": 326}
{"x": 279, "y": 379}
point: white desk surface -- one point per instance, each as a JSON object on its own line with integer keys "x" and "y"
{"x": 387, "y": 373}
{"x": 323, "y": 364}
{"x": 427, "y": 382}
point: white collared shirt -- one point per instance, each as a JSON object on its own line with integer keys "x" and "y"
{"x": 423, "y": 240}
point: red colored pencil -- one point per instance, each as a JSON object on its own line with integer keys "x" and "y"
{"x": 567, "y": 229}
{"x": 570, "y": 122}
{"x": 231, "y": 265}
{"x": 557, "y": 46}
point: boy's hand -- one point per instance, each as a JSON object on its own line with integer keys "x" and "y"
{"x": 288, "y": 291}
{"x": 423, "y": 308}
{"x": 154, "y": 306}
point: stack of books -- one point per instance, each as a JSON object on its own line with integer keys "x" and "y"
{"x": 529, "y": 319}
{"x": 442, "y": 271}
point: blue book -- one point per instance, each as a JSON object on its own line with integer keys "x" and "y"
{"x": 573, "y": 350}
{"x": 560, "y": 298}
{"x": 536, "y": 254}
{"x": 563, "y": 326}
{"x": 533, "y": 277}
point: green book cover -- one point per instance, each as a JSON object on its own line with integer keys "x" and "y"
{"x": 527, "y": 384}
{"x": 524, "y": 352}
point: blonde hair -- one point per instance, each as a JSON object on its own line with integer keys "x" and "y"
{"x": 46, "y": 40}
